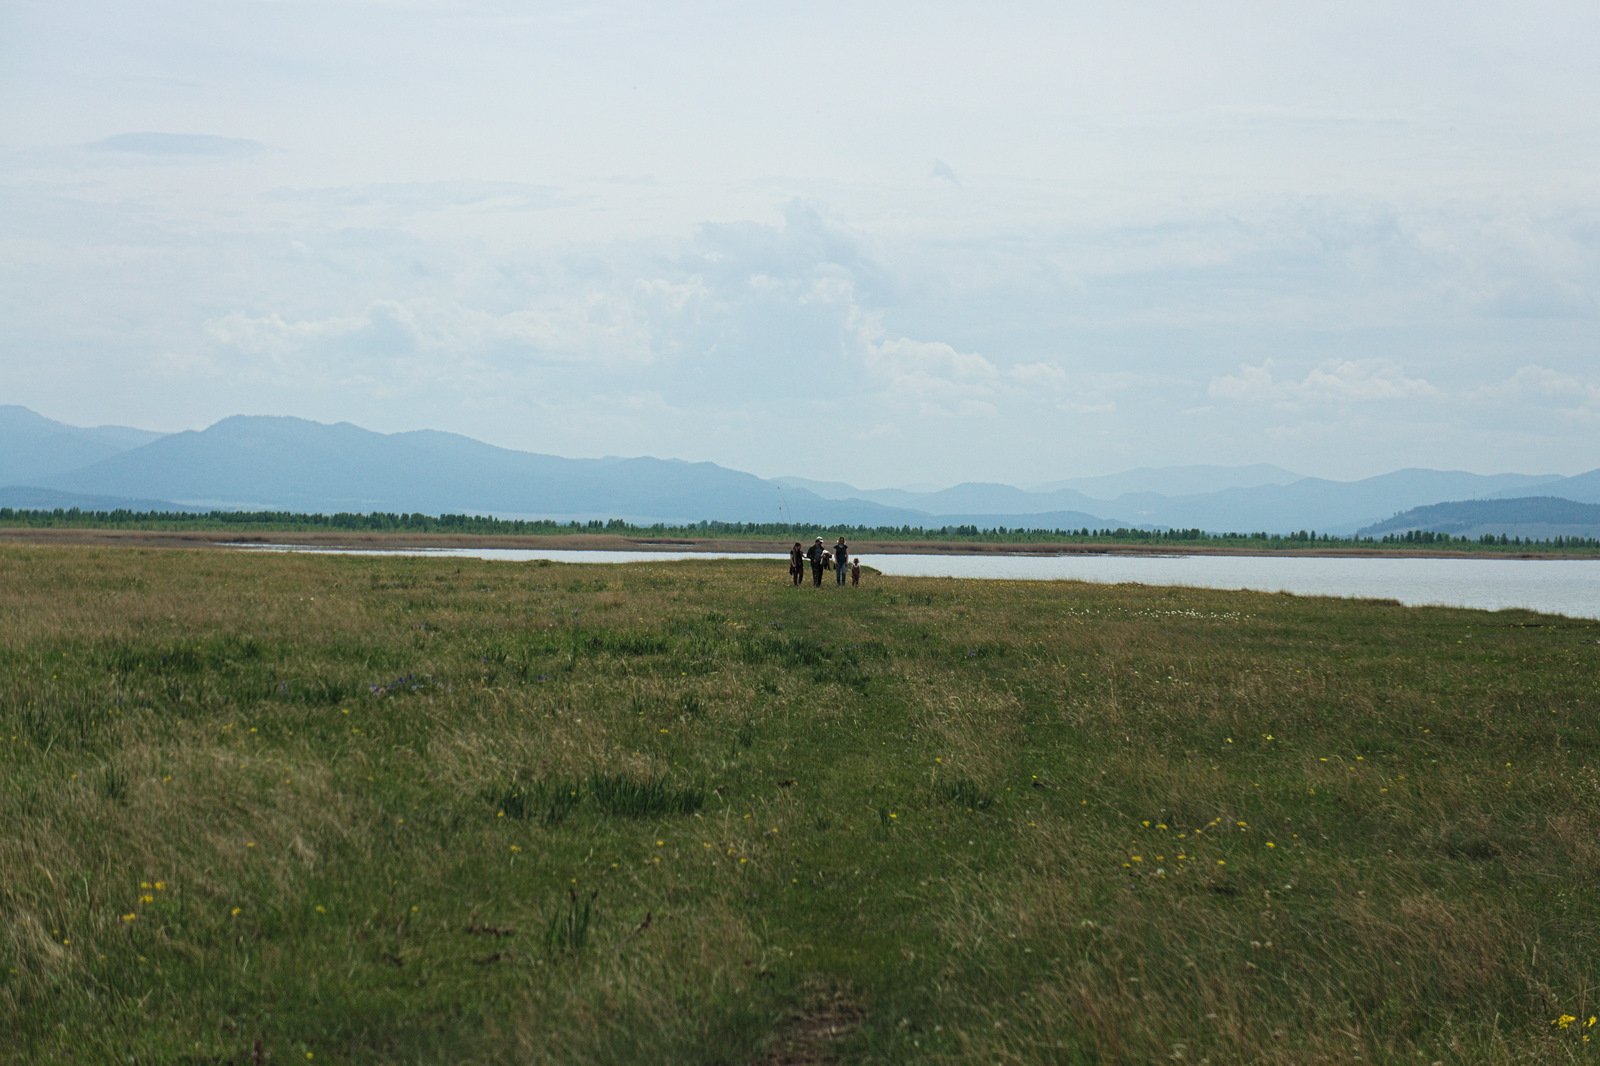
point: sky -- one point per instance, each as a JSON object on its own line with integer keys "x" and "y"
{"x": 894, "y": 244}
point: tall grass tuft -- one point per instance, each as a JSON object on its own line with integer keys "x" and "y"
{"x": 545, "y": 802}
{"x": 631, "y": 796}
{"x": 963, "y": 792}
{"x": 568, "y": 929}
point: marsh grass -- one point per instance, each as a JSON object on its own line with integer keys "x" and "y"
{"x": 376, "y": 810}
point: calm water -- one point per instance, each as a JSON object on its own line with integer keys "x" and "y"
{"x": 1555, "y": 586}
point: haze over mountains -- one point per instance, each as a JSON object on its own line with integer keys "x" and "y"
{"x": 280, "y": 463}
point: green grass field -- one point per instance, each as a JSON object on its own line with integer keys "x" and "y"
{"x": 261, "y": 808}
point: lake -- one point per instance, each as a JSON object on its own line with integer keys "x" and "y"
{"x": 1554, "y": 586}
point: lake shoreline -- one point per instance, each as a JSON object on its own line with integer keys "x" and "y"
{"x": 608, "y": 542}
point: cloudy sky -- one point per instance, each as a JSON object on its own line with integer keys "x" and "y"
{"x": 888, "y": 243}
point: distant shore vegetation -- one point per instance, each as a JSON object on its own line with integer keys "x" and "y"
{"x": 485, "y": 525}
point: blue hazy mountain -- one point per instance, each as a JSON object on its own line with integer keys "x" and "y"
{"x": 33, "y": 447}
{"x": 828, "y": 490}
{"x": 24, "y": 498}
{"x": 974, "y": 497}
{"x": 1581, "y": 488}
{"x": 1190, "y": 480}
{"x": 290, "y": 464}
{"x": 1319, "y": 504}
{"x": 1538, "y": 517}
{"x": 1072, "y": 492}
{"x": 1259, "y": 498}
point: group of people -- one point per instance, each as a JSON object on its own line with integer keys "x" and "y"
{"x": 821, "y": 559}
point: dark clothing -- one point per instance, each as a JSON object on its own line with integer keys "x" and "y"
{"x": 797, "y": 564}
{"x": 814, "y": 553}
{"x": 841, "y": 559}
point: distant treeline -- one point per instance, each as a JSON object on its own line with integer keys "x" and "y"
{"x": 481, "y": 525}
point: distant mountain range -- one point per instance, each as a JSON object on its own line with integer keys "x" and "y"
{"x": 33, "y": 448}
{"x": 1534, "y": 517}
{"x": 289, "y": 464}
{"x": 1215, "y": 504}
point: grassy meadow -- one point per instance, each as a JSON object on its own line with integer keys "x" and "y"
{"x": 291, "y": 808}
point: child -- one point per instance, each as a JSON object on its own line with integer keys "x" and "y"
{"x": 855, "y": 571}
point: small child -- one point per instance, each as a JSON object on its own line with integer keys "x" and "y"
{"x": 855, "y": 571}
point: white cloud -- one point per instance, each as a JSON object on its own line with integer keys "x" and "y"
{"x": 1106, "y": 392}
{"x": 1542, "y": 387}
{"x": 929, "y": 371}
{"x": 179, "y": 145}
{"x": 1081, "y": 407}
{"x": 1363, "y": 381}
{"x": 780, "y": 257}
{"x": 1535, "y": 297}
{"x": 1038, "y": 375}
{"x": 1252, "y": 384}
{"x": 1335, "y": 381}
{"x": 423, "y": 196}
{"x": 277, "y": 338}
{"x": 957, "y": 408}
{"x": 421, "y": 340}
{"x": 670, "y": 294}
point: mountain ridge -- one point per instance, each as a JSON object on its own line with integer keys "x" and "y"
{"x": 280, "y": 462}
{"x": 285, "y": 463}
{"x": 33, "y": 446}
{"x": 1540, "y": 517}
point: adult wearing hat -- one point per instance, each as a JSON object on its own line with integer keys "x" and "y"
{"x": 814, "y": 553}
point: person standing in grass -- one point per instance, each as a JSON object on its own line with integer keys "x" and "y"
{"x": 797, "y": 563}
{"x": 855, "y": 571}
{"x": 841, "y": 559}
{"x": 815, "y": 553}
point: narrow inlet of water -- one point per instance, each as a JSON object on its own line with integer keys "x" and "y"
{"x": 1552, "y": 586}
